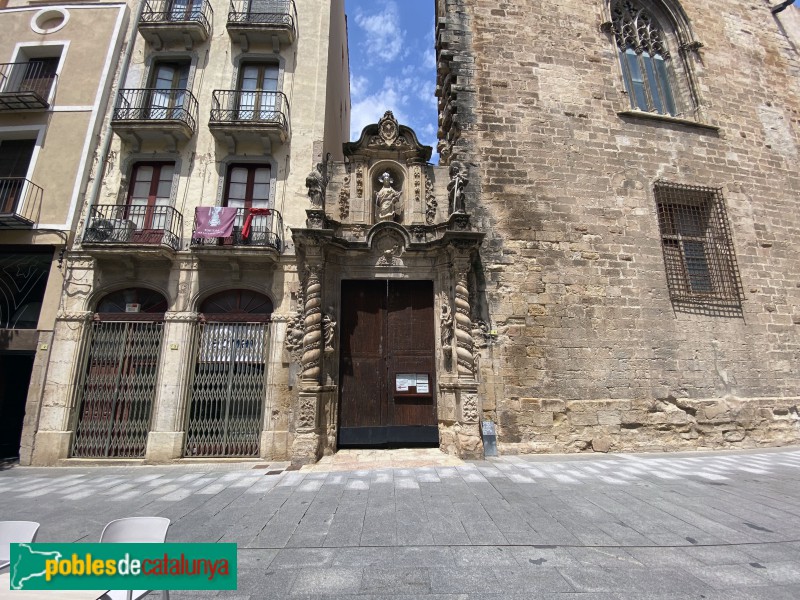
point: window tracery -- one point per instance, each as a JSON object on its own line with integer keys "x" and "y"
{"x": 644, "y": 57}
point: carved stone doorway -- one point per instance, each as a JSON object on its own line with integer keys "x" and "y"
{"x": 387, "y": 369}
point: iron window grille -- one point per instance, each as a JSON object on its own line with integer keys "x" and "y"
{"x": 698, "y": 247}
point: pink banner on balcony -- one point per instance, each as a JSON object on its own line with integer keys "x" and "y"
{"x": 213, "y": 221}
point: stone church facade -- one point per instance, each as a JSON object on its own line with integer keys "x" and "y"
{"x": 633, "y": 167}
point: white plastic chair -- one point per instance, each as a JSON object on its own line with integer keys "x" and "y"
{"x": 14, "y": 532}
{"x": 134, "y": 530}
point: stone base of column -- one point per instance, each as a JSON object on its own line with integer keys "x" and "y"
{"x": 274, "y": 445}
{"x": 164, "y": 446}
{"x": 310, "y": 438}
{"x": 50, "y": 447}
{"x": 459, "y": 416}
{"x": 305, "y": 448}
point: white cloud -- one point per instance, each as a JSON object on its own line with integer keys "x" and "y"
{"x": 370, "y": 109}
{"x": 412, "y": 101}
{"x": 429, "y": 59}
{"x": 358, "y": 86}
{"x": 384, "y": 40}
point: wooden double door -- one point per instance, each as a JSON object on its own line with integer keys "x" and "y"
{"x": 387, "y": 365}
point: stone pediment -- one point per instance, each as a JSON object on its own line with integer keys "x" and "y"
{"x": 387, "y": 138}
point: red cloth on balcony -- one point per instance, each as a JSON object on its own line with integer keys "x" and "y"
{"x": 253, "y": 212}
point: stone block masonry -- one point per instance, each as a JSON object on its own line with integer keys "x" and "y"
{"x": 592, "y": 352}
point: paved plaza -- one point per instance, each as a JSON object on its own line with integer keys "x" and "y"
{"x": 613, "y": 527}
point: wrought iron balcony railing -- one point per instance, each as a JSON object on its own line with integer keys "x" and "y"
{"x": 20, "y": 202}
{"x": 262, "y": 231}
{"x": 178, "y": 12}
{"x": 134, "y": 225}
{"x": 250, "y": 108}
{"x": 155, "y": 105}
{"x": 269, "y": 14}
{"x": 26, "y": 85}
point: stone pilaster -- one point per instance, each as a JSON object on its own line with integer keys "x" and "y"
{"x": 52, "y": 439}
{"x": 165, "y": 440}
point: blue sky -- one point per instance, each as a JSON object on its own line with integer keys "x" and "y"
{"x": 393, "y": 65}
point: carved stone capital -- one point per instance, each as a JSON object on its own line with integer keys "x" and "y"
{"x": 83, "y": 316}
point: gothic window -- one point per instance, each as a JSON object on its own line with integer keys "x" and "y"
{"x": 697, "y": 244}
{"x": 647, "y": 65}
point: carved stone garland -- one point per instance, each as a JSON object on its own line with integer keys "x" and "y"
{"x": 464, "y": 342}
{"x": 430, "y": 202}
{"x": 312, "y": 339}
{"x": 295, "y": 331}
{"x": 344, "y": 197}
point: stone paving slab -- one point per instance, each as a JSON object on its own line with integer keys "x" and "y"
{"x": 606, "y": 527}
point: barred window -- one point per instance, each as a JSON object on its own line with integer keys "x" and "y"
{"x": 644, "y": 58}
{"x": 696, "y": 240}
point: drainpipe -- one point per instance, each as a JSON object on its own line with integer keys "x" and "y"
{"x": 782, "y": 6}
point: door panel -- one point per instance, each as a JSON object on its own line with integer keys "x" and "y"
{"x": 361, "y": 375}
{"x": 387, "y": 330}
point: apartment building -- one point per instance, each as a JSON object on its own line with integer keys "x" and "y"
{"x": 57, "y": 69}
{"x": 169, "y": 340}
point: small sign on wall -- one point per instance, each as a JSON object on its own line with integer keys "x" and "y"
{"x": 132, "y": 308}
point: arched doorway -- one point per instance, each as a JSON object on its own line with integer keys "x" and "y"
{"x": 229, "y": 386}
{"x": 115, "y": 399}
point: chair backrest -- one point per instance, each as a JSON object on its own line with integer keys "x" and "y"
{"x": 15, "y": 532}
{"x": 136, "y": 530}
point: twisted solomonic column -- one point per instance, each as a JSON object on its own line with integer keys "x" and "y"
{"x": 312, "y": 337}
{"x": 464, "y": 342}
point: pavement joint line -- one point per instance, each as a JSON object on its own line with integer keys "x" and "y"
{"x": 535, "y": 546}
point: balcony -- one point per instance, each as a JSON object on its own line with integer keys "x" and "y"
{"x": 144, "y": 231}
{"x": 26, "y": 86}
{"x": 20, "y": 203}
{"x": 151, "y": 114}
{"x": 256, "y": 240}
{"x": 262, "y": 22}
{"x": 167, "y": 21}
{"x": 249, "y": 116}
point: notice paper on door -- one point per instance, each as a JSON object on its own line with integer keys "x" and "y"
{"x": 405, "y": 381}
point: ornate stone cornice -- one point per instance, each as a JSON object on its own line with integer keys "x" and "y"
{"x": 181, "y": 317}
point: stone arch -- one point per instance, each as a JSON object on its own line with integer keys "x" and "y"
{"x": 238, "y": 303}
{"x": 149, "y": 301}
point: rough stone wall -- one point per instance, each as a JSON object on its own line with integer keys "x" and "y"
{"x": 590, "y": 352}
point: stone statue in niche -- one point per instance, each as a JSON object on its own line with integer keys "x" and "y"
{"x": 316, "y": 183}
{"x": 455, "y": 189}
{"x": 387, "y": 199}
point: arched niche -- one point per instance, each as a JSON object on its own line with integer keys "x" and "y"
{"x": 398, "y": 178}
